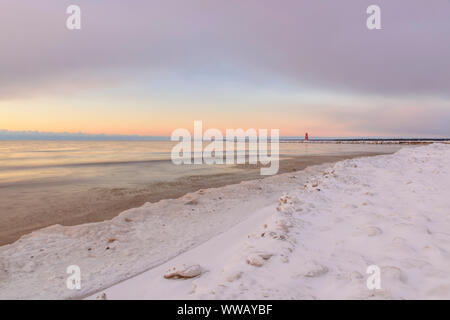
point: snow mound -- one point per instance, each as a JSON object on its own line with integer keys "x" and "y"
{"x": 318, "y": 240}
{"x": 311, "y": 235}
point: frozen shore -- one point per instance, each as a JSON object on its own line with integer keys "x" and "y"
{"x": 302, "y": 235}
{"x": 134, "y": 241}
{"x": 317, "y": 241}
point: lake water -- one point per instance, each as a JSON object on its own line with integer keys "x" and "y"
{"x": 73, "y": 182}
{"x": 124, "y": 162}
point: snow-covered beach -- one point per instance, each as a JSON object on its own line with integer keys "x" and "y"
{"x": 302, "y": 235}
{"x": 43, "y": 183}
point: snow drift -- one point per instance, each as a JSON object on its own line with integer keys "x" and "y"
{"x": 302, "y": 235}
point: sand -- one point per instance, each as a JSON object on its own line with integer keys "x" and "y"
{"x": 310, "y": 234}
{"x": 39, "y": 205}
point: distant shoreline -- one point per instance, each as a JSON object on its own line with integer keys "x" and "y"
{"x": 37, "y": 136}
{"x": 368, "y": 140}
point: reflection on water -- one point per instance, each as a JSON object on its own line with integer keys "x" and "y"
{"x": 65, "y": 182}
{"x": 124, "y": 163}
{"x": 100, "y": 162}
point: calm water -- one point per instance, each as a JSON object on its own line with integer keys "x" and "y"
{"x": 123, "y": 163}
{"x": 99, "y": 163}
{"x": 67, "y": 182}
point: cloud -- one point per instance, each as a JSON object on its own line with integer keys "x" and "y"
{"x": 52, "y": 85}
{"x": 311, "y": 43}
{"x": 422, "y": 117}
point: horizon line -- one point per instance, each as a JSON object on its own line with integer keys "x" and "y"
{"x": 35, "y": 135}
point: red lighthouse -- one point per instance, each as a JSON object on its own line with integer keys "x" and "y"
{"x": 306, "y": 136}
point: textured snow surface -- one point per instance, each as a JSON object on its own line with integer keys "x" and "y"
{"x": 302, "y": 235}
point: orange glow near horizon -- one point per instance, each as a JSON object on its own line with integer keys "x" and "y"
{"x": 152, "y": 117}
{"x": 156, "y": 120}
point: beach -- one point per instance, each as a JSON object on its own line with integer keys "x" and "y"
{"x": 307, "y": 234}
{"x": 318, "y": 240}
{"x": 71, "y": 183}
{"x": 224, "y": 150}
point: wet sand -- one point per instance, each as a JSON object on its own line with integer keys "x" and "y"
{"x": 23, "y": 211}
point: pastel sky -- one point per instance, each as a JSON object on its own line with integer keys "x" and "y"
{"x": 149, "y": 66}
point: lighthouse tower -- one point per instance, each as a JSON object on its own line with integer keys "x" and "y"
{"x": 306, "y": 136}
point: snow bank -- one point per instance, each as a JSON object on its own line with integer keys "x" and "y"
{"x": 302, "y": 235}
{"x": 137, "y": 240}
{"x": 317, "y": 241}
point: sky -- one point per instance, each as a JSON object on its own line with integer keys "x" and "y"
{"x": 149, "y": 67}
